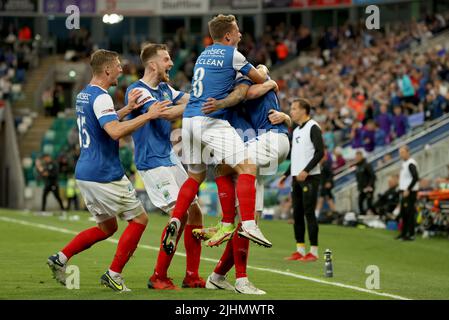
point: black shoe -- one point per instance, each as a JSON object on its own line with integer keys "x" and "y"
{"x": 409, "y": 238}
{"x": 399, "y": 237}
{"x": 169, "y": 241}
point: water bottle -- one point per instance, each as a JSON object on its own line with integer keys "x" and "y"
{"x": 328, "y": 269}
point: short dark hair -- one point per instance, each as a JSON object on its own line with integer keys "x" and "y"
{"x": 150, "y": 50}
{"x": 303, "y": 104}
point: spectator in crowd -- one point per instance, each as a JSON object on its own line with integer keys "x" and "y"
{"x": 400, "y": 122}
{"x": 385, "y": 122}
{"x": 47, "y": 101}
{"x": 58, "y": 100}
{"x": 281, "y": 51}
{"x": 384, "y": 161}
{"x": 433, "y": 106}
{"x": 25, "y": 34}
{"x": 356, "y": 135}
{"x": 406, "y": 87}
{"x": 369, "y": 136}
{"x": 328, "y": 137}
{"x": 365, "y": 183}
{"x": 380, "y": 138}
{"x": 304, "y": 39}
{"x": 48, "y": 171}
{"x": 339, "y": 161}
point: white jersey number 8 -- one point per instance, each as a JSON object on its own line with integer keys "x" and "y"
{"x": 84, "y": 143}
{"x": 198, "y": 78}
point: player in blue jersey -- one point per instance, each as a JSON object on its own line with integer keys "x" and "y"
{"x": 160, "y": 169}
{"x": 269, "y": 147}
{"x": 202, "y": 135}
{"x": 106, "y": 190}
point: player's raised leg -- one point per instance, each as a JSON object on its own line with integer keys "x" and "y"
{"x": 226, "y": 194}
{"x": 246, "y": 195}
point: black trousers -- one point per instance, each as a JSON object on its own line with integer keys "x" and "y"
{"x": 408, "y": 214}
{"x": 75, "y": 202}
{"x": 53, "y": 188}
{"x": 304, "y": 199}
{"x": 368, "y": 197}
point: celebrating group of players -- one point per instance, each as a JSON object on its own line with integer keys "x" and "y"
{"x": 229, "y": 96}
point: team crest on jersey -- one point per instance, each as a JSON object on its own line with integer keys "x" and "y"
{"x": 166, "y": 96}
{"x": 166, "y": 195}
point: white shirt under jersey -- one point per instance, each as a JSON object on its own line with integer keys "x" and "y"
{"x": 405, "y": 177}
{"x": 303, "y": 149}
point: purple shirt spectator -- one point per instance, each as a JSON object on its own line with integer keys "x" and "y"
{"x": 369, "y": 139}
{"x": 357, "y": 140}
{"x": 381, "y": 138}
{"x": 384, "y": 121}
{"x": 400, "y": 124}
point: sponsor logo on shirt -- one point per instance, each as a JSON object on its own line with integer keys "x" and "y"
{"x": 107, "y": 111}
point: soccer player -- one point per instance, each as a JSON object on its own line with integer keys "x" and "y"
{"x": 106, "y": 190}
{"x": 214, "y": 75}
{"x": 161, "y": 171}
{"x": 268, "y": 149}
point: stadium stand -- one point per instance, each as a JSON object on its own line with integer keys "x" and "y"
{"x": 370, "y": 89}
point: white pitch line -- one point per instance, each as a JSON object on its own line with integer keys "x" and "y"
{"x": 284, "y": 273}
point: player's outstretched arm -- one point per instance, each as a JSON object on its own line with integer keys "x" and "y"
{"x": 258, "y": 90}
{"x": 234, "y": 98}
{"x": 133, "y": 97}
{"x": 117, "y": 130}
{"x": 174, "y": 112}
{"x": 259, "y": 75}
{"x": 277, "y": 117}
{"x": 177, "y": 110}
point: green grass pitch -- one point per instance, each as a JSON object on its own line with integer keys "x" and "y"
{"x": 413, "y": 270}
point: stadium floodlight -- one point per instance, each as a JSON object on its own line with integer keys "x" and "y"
{"x": 112, "y": 18}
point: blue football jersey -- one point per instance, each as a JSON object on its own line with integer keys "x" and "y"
{"x": 257, "y": 110}
{"x": 99, "y": 159}
{"x": 214, "y": 75}
{"x": 238, "y": 119}
{"x": 152, "y": 141}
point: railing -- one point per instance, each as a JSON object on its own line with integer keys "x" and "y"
{"x": 433, "y": 156}
{"x": 430, "y": 133}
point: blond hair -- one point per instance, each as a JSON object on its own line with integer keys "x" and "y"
{"x": 100, "y": 58}
{"x": 220, "y": 25}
